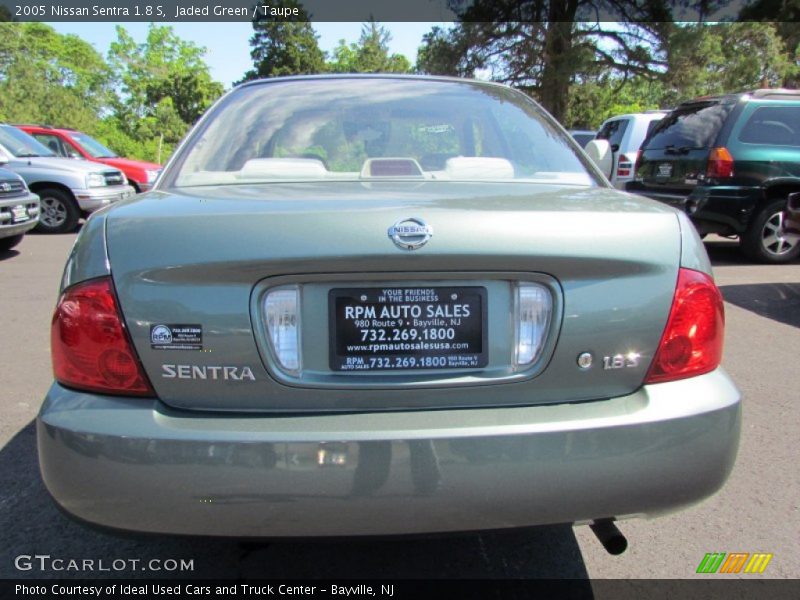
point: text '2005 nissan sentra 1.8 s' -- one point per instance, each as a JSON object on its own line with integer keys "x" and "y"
{"x": 384, "y": 305}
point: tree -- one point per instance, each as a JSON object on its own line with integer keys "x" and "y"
{"x": 719, "y": 58}
{"x": 369, "y": 55}
{"x": 285, "y": 47}
{"x": 754, "y": 56}
{"x": 540, "y": 47}
{"x": 445, "y": 52}
{"x": 164, "y": 86}
{"x": 592, "y": 102}
{"x": 570, "y": 63}
{"x": 784, "y": 15}
{"x": 165, "y": 66}
{"x": 47, "y": 77}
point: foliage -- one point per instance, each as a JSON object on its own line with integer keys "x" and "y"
{"x": 164, "y": 85}
{"x": 369, "y": 55}
{"x": 290, "y": 47}
{"x": 539, "y": 47}
{"x": 112, "y": 134}
{"x": 285, "y": 47}
{"x": 784, "y": 15}
{"x": 592, "y": 102}
{"x": 724, "y": 57}
{"x": 50, "y": 78}
{"x": 583, "y": 72}
{"x": 144, "y": 97}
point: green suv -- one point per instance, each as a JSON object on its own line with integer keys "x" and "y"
{"x": 730, "y": 163}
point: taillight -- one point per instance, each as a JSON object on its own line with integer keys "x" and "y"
{"x": 89, "y": 345}
{"x": 692, "y": 341}
{"x": 626, "y": 164}
{"x": 720, "y": 164}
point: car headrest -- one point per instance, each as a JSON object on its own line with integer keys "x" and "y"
{"x": 478, "y": 167}
{"x": 283, "y": 168}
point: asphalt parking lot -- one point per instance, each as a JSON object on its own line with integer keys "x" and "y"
{"x": 757, "y": 511}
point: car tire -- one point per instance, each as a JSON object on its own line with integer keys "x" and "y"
{"x": 9, "y": 242}
{"x": 59, "y": 213}
{"x": 766, "y": 240}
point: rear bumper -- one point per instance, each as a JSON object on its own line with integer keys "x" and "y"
{"x": 10, "y": 228}
{"x": 621, "y": 183}
{"x": 713, "y": 209}
{"x": 137, "y": 465}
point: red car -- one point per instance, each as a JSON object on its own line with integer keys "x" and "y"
{"x": 75, "y": 144}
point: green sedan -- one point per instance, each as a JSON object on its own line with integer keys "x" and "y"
{"x": 370, "y": 305}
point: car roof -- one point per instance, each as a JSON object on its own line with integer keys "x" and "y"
{"x": 759, "y": 94}
{"x": 654, "y": 114}
{"x": 343, "y": 76}
{"x": 44, "y": 127}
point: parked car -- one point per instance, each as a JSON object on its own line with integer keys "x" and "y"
{"x": 363, "y": 287}
{"x": 582, "y": 136}
{"x": 730, "y": 163}
{"x": 70, "y": 143}
{"x": 68, "y": 188}
{"x": 625, "y": 134}
{"x": 19, "y": 209}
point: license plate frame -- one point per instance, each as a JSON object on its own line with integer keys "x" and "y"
{"x": 463, "y": 309}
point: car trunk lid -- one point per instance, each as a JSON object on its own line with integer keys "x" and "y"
{"x": 199, "y": 264}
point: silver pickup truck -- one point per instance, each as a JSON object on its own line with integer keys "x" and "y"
{"x": 69, "y": 188}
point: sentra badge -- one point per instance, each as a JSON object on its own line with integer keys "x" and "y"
{"x": 207, "y": 372}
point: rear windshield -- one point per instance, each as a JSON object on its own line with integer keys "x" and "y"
{"x": 688, "y": 127}
{"x": 651, "y": 127}
{"x": 376, "y": 128}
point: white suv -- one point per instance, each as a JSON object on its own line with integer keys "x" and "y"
{"x": 625, "y": 134}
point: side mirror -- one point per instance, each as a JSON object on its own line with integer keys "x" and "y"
{"x": 602, "y": 155}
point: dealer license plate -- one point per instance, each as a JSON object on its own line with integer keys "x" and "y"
{"x": 19, "y": 214}
{"x": 402, "y": 328}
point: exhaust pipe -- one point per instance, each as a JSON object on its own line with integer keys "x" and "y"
{"x": 608, "y": 535}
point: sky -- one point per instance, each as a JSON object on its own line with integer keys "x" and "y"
{"x": 227, "y": 44}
